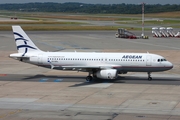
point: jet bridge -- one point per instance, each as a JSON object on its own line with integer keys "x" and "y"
{"x": 163, "y": 32}
{"x": 170, "y": 32}
{"x": 178, "y": 34}
{"x": 123, "y": 33}
{"x": 155, "y": 32}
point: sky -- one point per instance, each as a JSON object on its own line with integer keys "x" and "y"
{"x": 98, "y": 1}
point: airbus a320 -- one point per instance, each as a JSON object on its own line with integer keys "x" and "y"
{"x": 97, "y": 65}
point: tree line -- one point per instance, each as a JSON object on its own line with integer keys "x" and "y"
{"x": 90, "y": 8}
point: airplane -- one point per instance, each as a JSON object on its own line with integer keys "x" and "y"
{"x": 98, "y": 65}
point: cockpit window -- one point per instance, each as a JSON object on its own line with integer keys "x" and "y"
{"x": 164, "y": 59}
{"x": 161, "y": 60}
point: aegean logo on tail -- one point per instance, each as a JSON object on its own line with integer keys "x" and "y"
{"x": 26, "y": 46}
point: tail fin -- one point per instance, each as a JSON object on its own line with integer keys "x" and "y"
{"x": 23, "y": 42}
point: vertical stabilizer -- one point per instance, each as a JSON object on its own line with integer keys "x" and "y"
{"x": 23, "y": 42}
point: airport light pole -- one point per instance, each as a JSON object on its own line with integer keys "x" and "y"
{"x": 143, "y": 4}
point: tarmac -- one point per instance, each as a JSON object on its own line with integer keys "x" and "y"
{"x": 29, "y": 92}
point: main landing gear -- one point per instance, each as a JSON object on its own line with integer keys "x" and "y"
{"x": 89, "y": 78}
{"x": 149, "y": 76}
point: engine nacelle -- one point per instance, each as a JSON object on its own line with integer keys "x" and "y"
{"x": 107, "y": 74}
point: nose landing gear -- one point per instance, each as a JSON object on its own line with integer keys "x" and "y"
{"x": 149, "y": 76}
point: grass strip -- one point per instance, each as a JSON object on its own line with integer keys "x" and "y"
{"x": 37, "y": 22}
{"x": 66, "y": 28}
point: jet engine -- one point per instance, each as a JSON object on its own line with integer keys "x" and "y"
{"x": 107, "y": 74}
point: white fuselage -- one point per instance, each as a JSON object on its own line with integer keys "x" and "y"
{"x": 125, "y": 62}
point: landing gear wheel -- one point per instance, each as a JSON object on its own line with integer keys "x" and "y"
{"x": 149, "y": 76}
{"x": 89, "y": 78}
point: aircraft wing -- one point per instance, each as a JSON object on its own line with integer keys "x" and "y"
{"x": 91, "y": 67}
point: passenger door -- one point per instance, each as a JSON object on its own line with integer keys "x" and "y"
{"x": 148, "y": 60}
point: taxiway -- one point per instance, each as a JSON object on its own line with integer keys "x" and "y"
{"x": 31, "y": 92}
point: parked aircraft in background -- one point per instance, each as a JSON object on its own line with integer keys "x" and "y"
{"x": 98, "y": 65}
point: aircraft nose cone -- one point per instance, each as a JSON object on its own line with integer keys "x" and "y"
{"x": 170, "y": 65}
